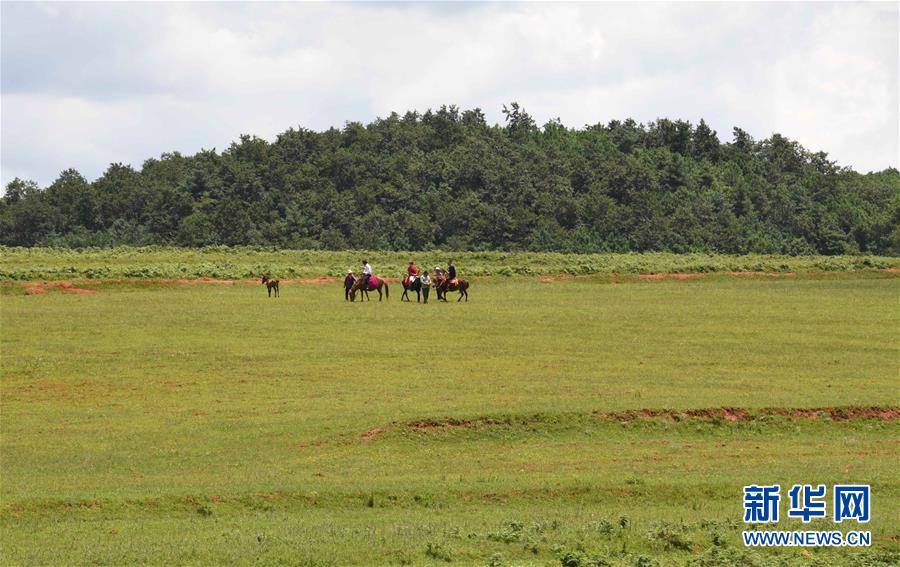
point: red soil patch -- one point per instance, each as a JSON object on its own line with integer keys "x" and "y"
{"x": 767, "y": 274}
{"x": 69, "y": 287}
{"x": 892, "y": 270}
{"x": 370, "y": 434}
{"x": 670, "y": 276}
{"x": 38, "y": 288}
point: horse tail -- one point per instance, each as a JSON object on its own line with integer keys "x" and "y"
{"x": 387, "y": 294}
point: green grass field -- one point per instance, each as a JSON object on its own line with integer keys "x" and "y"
{"x": 208, "y": 424}
{"x": 238, "y": 262}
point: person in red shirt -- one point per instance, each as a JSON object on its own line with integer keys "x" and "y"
{"x": 412, "y": 271}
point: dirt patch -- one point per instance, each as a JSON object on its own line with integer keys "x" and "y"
{"x": 715, "y": 415}
{"x": 892, "y": 270}
{"x": 450, "y": 422}
{"x": 764, "y": 274}
{"x": 40, "y": 288}
{"x": 670, "y": 276}
{"x": 70, "y": 288}
{"x": 372, "y": 433}
{"x": 807, "y": 413}
{"x": 743, "y": 414}
{"x": 556, "y": 278}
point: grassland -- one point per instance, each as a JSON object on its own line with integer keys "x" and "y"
{"x": 224, "y": 262}
{"x": 168, "y": 424}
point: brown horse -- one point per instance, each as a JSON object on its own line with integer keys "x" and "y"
{"x": 377, "y": 286}
{"x": 458, "y": 284}
{"x": 270, "y": 285}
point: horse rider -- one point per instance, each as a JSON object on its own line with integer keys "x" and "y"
{"x": 367, "y": 273}
{"x": 411, "y": 272}
{"x": 348, "y": 283}
{"x": 451, "y": 275}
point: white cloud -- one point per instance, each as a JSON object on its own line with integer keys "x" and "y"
{"x": 84, "y": 85}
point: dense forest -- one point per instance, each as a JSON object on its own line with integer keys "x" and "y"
{"x": 448, "y": 179}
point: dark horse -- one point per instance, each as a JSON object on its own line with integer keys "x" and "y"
{"x": 375, "y": 284}
{"x": 270, "y": 285}
{"x": 458, "y": 284}
{"x": 413, "y": 283}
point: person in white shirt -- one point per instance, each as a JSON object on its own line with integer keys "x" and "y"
{"x": 367, "y": 272}
{"x": 426, "y": 285}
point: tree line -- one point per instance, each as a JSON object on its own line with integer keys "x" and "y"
{"x": 447, "y": 179}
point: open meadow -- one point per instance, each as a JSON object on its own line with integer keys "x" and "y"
{"x": 602, "y": 419}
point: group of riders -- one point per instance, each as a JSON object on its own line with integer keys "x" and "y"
{"x": 441, "y": 280}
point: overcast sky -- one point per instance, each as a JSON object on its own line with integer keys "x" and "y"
{"x": 84, "y": 85}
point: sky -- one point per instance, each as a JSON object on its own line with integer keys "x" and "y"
{"x": 83, "y": 85}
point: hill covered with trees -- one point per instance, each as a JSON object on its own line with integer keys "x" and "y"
{"x": 450, "y": 180}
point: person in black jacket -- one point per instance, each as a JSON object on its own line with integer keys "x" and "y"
{"x": 450, "y": 276}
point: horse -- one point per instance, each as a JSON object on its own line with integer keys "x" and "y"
{"x": 270, "y": 285}
{"x": 375, "y": 284}
{"x": 458, "y": 284}
{"x": 412, "y": 283}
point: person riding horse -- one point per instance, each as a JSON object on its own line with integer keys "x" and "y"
{"x": 367, "y": 272}
{"x": 412, "y": 271}
{"x": 451, "y": 275}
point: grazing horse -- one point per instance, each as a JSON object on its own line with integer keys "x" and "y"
{"x": 270, "y": 285}
{"x": 412, "y": 283}
{"x": 458, "y": 284}
{"x": 375, "y": 284}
